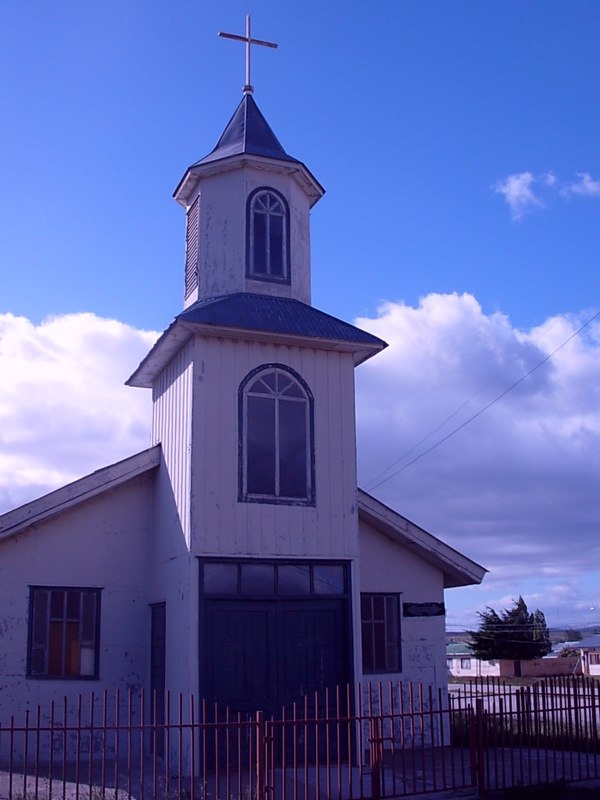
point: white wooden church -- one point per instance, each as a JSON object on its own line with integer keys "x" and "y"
{"x": 235, "y": 559}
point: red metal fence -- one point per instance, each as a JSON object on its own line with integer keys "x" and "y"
{"x": 398, "y": 740}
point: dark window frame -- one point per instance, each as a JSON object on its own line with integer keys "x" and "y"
{"x": 45, "y": 646}
{"x": 283, "y": 251}
{"x": 381, "y": 656}
{"x": 276, "y": 497}
{"x": 315, "y": 588}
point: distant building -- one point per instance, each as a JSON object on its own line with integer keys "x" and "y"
{"x": 462, "y": 663}
{"x": 589, "y": 649}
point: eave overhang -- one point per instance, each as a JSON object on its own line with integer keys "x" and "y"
{"x": 174, "y": 338}
{"x": 458, "y": 570}
{"x": 187, "y": 188}
{"x": 259, "y": 318}
{"x": 102, "y": 480}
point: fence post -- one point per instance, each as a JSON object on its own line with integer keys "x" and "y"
{"x": 479, "y": 745}
{"x": 260, "y": 755}
{"x": 375, "y": 759}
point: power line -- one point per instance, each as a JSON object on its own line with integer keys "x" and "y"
{"x": 373, "y": 482}
{"x": 373, "y": 486}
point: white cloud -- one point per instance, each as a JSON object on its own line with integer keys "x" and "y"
{"x": 64, "y": 410}
{"x": 585, "y": 185}
{"x": 517, "y": 487}
{"x": 524, "y": 191}
{"x": 518, "y": 193}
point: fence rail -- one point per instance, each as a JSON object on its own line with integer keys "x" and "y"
{"x": 359, "y": 743}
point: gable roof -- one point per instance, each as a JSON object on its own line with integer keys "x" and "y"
{"x": 458, "y": 570}
{"x": 261, "y": 317}
{"x": 102, "y": 480}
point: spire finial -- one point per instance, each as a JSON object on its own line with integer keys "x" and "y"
{"x": 248, "y": 89}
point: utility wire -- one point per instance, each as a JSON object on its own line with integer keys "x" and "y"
{"x": 485, "y": 408}
{"x": 373, "y": 482}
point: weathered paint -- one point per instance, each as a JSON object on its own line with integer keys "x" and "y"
{"x": 104, "y": 542}
{"x": 221, "y": 525}
{"x": 386, "y": 566}
{"x": 222, "y": 231}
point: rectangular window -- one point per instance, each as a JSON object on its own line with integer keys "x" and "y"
{"x": 465, "y": 663}
{"x": 63, "y": 632}
{"x": 595, "y": 658}
{"x": 380, "y": 620}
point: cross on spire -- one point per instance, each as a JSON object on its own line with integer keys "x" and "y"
{"x": 248, "y": 88}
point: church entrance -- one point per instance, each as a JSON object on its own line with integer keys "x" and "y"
{"x": 273, "y": 633}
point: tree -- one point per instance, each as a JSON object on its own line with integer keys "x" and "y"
{"x": 514, "y": 633}
{"x": 573, "y": 635}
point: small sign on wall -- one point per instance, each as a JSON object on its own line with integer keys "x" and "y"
{"x": 423, "y": 609}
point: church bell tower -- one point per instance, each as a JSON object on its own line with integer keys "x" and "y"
{"x": 248, "y": 205}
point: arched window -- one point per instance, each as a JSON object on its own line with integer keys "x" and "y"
{"x": 276, "y": 437}
{"x": 268, "y": 236}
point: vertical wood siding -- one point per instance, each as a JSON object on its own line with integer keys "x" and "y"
{"x": 221, "y": 524}
{"x": 171, "y": 427}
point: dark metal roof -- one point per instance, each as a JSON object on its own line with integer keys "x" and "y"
{"x": 258, "y": 312}
{"x": 247, "y": 132}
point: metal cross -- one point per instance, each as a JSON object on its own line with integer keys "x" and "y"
{"x": 248, "y": 89}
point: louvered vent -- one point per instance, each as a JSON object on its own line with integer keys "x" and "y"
{"x": 191, "y": 248}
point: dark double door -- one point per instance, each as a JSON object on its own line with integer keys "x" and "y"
{"x": 265, "y": 655}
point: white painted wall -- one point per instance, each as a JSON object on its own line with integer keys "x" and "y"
{"x": 222, "y": 231}
{"x": 102, "y": 543}
{"x": 386, "y": 566}
{"x": 221, "y": 525}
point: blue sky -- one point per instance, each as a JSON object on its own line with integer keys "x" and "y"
{"x": 458, "y": 144}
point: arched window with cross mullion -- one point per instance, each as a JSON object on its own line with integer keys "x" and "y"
{"x": 277, "y": 442}
{"x": 268, "y": 236}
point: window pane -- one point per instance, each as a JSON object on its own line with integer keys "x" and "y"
{"x": 40, "y": 617}
{"x": 88, "y": 623}
{"x": 88, "y": 661}
{"x": 73, "y": 601}
{"x": 367, "y": 647}
{"x": 71, "y": 648}
{"x": 57, "y": 604}
{"x": 292, "y": 449}
{"x": 291, "y": 389}
{"x": 328, "y": 579}
{"x": 276, "y": 246}
{"x": 220, "y": 578}
{"x": 260, "y": 453}
{"x": 379, "y": 642}
{"x": 293, "y": 579}
{"x": 378, "y": 607}
{"x": 259, "y": 244}
{"x": 258, "y": 579}
{"x": 55, "y": 648}
{"x": 365, "y": 607}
